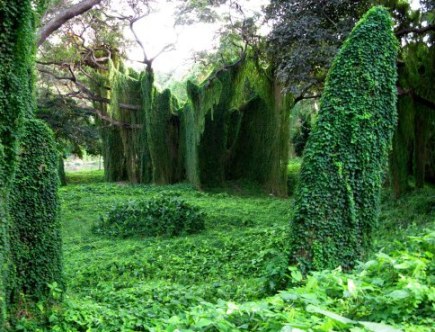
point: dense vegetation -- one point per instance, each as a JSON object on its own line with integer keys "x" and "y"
{"x": 193, "y": 225}
{"x": 34, "y": 209}
{"x": 344, "y": 162}
{"x": 221, "y": 278}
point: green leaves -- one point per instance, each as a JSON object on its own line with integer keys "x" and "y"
{"x": 337, "y": 202}
{"x": 161, "y": 215}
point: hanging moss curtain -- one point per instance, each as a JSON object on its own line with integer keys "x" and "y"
{"x": 148, "y": 146}
{"x": 126, "y": 87}
{"x": 412, "y": 160}
{"x": 163, "y": 130}
{"x": 337, "y": 202}
{"x": 236, "y": 126}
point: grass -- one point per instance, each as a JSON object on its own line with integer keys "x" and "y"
{"x": 220, "y": 279}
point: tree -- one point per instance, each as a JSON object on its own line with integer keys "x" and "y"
{"x": 35, "y": 230}
{"x": 337, "y": 201}
{"x": 16, "y": 103}
{"x": 16, "y": 56}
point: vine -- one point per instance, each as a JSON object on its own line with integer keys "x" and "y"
{"x": 337, "y": 202}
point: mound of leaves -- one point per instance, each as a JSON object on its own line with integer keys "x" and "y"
{"x": 158, "y": 216}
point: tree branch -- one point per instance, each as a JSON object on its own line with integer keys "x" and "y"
{"x": 302, "y": 97}
{"x": 64, "y": 16}
{"x": 88, "y": 93}
{"x": 417, "y": 31}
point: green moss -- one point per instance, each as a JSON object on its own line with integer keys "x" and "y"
{"x": 35, "y": 228}
{"x": 126, "y": 88}
{"x": 413, "y": 148}
{"x": 61, "y": 170}
{"x": 401, "y": 159}
{"x": 236, "y": 126}
{"x": 163, "y": 128}
{"x": 337, "y": 201}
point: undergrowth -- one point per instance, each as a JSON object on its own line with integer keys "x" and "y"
{"x": 163, "y": 215}
{"x": 227, "y": 277}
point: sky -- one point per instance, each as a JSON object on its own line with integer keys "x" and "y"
{"x": 157, "y": 30}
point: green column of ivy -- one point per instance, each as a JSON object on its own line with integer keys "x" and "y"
{"x": 16, "y": 59}
{"x": 163, "y": 135}
{"x": 337, "y": 201}
{"x": 35, "y": 227}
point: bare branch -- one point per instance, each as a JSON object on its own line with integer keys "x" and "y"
{"x": 418, "y": 31}
{"x": 86, "y": 91}
{"x": 166, "y": 48}
{"x": 138, "y": 41}
{"x": 302, "y": 97}
{"x": 64, "y": 16}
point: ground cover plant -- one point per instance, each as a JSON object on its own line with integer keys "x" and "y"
{"x": 224, "y": 278}
{"x": 167, "y": 215}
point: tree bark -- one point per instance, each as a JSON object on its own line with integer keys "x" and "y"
{"x": 65, "y": 15}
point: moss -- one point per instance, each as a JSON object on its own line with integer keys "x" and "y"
{"x": 337, "y": 201}
{"x": 126, "y": 88}
{"x": 412, "y": 149}
{"x": 237, "y": 128}
{"x": 61, "y": 170}
{"x": 401, "y": 158}
{"x": 163, "y": 128}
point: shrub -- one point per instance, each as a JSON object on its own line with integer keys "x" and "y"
{"x": 161, "y": 215}
{"x": 337, "y": 202}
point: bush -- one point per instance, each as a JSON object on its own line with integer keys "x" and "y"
{"x": 161, "y": 215}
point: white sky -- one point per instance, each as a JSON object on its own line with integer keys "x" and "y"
{"x": 157, "y": 30}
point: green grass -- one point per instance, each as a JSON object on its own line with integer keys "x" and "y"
{"x": 221, "y": 278}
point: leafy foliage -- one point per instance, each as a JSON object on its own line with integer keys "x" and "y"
{"x": 306, "y": 36}
{"x": 35, "y": 228}
{"x": 337, "y": 201}
{"x": 16, "y": 59}
{"x": 161, "y": 215}
{"x": 293, "y": 172}
{"x": 73, "y": 126}
{"x": 214, "y": 280}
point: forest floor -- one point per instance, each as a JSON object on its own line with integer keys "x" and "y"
{"x": 224, "y": 278}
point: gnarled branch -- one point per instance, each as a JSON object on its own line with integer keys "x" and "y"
{"x": 64, "y": 16}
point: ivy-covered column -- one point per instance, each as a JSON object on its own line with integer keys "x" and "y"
{"x": 35, "y": 231}
{"x": 16, "y": 60}
{"x": 337, "y": 202}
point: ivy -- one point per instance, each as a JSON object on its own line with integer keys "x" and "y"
{"x": 337, "y": 202}
{"x": 35, "y": 227}
{"x": 16, "y": 59}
